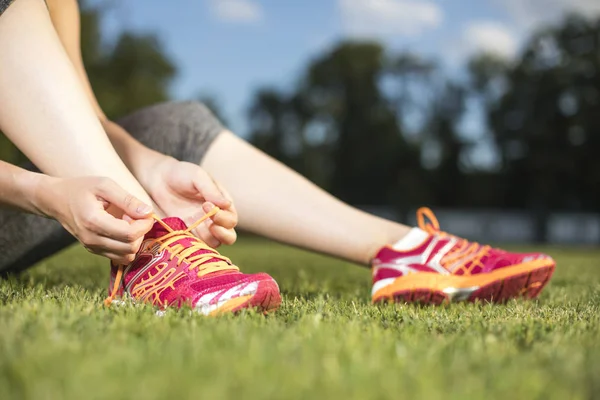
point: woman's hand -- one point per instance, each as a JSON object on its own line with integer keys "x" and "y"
{"x": 106, "y": 219}
{"x": 185, "y": 190}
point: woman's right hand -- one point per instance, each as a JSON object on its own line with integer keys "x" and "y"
{"x": 106, "y": 219}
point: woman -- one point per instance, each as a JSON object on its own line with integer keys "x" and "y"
{"x": 109, "y": 184}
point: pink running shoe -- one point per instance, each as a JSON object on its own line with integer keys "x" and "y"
{"x": 174, "y": 268}
{"x": 442, "y": 268}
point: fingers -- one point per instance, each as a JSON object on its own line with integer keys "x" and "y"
{"x": 219, "y": 229}
{"x": 226, "y": 218}
{"x": 122, "y": 253}
{"x": 223, "y": 235}
{"x": 215, "y": 235}
{"x": 203, "y": 232}
{"x": 104, "y": 224}
{"x": 212, "y": 241}
{"x": 117, "y": 259}
{"x": 229, "y": 198}
{"x": 117, "y": 239}
{"x": 209, "y": 190}
{"x": 114, "y": 194}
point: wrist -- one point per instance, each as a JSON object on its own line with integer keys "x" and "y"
{"x": 42, "y": 195}
{"x": 139, "y": 159}
{"x": 154, "y": 169}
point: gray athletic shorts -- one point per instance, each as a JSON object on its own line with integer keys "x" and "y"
{"x": 182, "y": 130}
{"x": 4, "y": 5}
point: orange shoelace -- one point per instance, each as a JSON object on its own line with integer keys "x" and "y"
{"x": 208, "y": 261}
{"x": 461, "y": 254}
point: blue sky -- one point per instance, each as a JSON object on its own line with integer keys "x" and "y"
{"x": 228, "y": 48}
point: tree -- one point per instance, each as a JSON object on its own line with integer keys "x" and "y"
{"x": 269, "y": 117}
{"x": 128, "y": 74}
{"x": 337, "y": 127}
{"x": 413, "y": 86}
{"x": 345, "y": 126}
{"x": 546, "y": 124}
{"x": 448, "y": 180}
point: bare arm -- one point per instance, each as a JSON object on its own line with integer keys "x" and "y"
{"x": 79, "y": 205}
{"x": 19, "y": 188}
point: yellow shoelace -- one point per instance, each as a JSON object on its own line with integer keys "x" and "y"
{"x": 460, "y": 255}
{"x": 205, "y": 263}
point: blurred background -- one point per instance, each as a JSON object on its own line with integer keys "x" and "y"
{"x": 486, "y": 110}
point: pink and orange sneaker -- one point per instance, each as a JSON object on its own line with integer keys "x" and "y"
{"x": 439, "y": 267}
{"x": 173, "y": 268}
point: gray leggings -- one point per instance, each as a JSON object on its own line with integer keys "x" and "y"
{"x": 4, "y": 4}
{"x": 181, "y": 130}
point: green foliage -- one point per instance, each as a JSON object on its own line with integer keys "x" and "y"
{"x": 349, "y": 123}
{"x": 327, "y": 341}
{"x": 542, "y": 113}
{"x": 9, "y": 153}
{"x": 357, "y": 98}
{"x": 129, "y": 74}
{"x": 338, "y": 128}
{"x": 546, "y": 124}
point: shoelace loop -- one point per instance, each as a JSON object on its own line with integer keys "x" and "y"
{"x": 431, "y": 228}
{"x": 462, "y": 253}
{"x": 208, "y": 261}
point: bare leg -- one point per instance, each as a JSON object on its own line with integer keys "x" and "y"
{"x": 278, "y": 203}
{"x": 45, "y": 111}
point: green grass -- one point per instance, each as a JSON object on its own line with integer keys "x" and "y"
{"x": 326, "y": 341}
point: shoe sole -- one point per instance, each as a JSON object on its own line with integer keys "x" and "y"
{"x": 266, "y": 299}
{"x": 522, "y": 280}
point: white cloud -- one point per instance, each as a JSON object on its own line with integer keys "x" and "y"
{"x": 490, "y": 37}
{"x": 377, "y": 18}
{"x": 237, "y": 11}
{"x": 528, "y": 14}
{"x": 524, "y": 17}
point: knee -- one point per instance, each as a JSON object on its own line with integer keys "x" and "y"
{"x": 183, "y": 130}
{"x": 189, "y": 110}
{"x": 191, "y": 128}
{"x": 195, "y": 117}
{"x": 171, "y": 114}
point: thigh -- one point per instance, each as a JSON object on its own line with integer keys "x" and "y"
{"x": 4, "y": 5}
{"x": 183, "y": 130}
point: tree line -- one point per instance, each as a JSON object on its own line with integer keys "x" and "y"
{"x": 377, "y": 127}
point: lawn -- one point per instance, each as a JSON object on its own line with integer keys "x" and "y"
{"x": 57, "y": 341}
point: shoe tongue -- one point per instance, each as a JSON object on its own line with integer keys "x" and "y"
{"x": 158, "y": 230}
{"x": 176, "y": 224}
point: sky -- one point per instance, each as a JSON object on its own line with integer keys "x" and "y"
{"x": 229, "y": 48}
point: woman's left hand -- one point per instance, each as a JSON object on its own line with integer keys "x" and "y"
{"x": 185, "y": 190}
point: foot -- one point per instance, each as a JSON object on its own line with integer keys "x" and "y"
{"x": 173, "y": 268}
{"x": 431, "y": 266}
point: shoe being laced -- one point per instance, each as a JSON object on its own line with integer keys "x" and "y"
{"x": 174, "y": 268}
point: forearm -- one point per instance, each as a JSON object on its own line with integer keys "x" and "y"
{"x": 138, "y": 158}
{"x": 19, "y": 188}
{"x": 45, "y": 111}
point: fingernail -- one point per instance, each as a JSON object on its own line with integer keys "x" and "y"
{"x": 144, "y": 209}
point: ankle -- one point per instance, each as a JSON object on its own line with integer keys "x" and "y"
{"x": 394, "y": 233}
